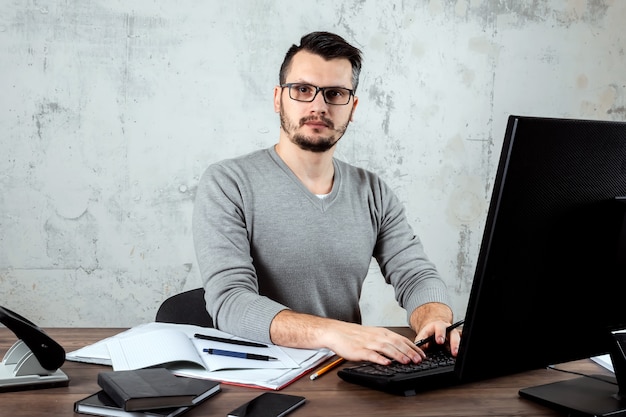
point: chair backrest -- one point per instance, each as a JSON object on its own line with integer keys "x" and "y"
{"x": 187, "y": 307}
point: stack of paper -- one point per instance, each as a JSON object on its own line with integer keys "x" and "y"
{"x": 604, "y": 361}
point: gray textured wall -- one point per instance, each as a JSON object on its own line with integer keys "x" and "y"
{"x": 110, "y": 110}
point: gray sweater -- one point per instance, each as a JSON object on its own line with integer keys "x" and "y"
{"x": 265, "y": 243}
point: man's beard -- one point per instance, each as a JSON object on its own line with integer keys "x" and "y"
{"x": 309, "y": 143}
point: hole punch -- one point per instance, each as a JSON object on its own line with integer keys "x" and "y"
{"x": 33, "y": 361}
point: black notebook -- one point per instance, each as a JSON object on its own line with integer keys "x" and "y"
{"x": 100, "y": 404}
{"x": 154, "y": 388}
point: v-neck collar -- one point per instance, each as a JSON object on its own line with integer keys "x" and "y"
{"x": 321, "y": 203}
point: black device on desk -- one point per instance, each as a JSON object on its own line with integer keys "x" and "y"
{"x": 269, "y": 404}
{"x": 550, "y": 279}
{"x": 33, "y": 361}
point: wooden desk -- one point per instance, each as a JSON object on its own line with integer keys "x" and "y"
{"x": 326, "y": 396}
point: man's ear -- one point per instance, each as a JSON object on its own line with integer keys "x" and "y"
{"x": 355, "y": 102}
{"x": 277, "y": 98}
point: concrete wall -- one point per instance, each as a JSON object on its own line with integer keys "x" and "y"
{"x": 110, "y": 111}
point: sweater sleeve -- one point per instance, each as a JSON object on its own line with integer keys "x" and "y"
{"x": 402, "y": 259}
{"x": 223, "y": 255}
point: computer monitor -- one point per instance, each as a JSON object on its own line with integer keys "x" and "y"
{"x": 550, "y": 279}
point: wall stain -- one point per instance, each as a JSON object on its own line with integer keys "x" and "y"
{"x": 464, "y": 263}
{"x": 46, "y": 113}
{"x": 525, "y": 12}
{"x": 384, "y": 100}
{"x": 618, "y": 111}
{"x": 72, "y": 243}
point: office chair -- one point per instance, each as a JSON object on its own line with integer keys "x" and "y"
{"x": 187, "y": 307}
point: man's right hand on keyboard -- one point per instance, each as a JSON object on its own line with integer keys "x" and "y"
{"x": 351, "y": 341}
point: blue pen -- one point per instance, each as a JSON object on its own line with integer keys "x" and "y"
{"x": 241, "y": 355}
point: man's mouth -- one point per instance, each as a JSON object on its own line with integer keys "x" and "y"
{"x": 316, "y": 123}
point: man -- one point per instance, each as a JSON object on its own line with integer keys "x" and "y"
{"x": 284, "y": 236}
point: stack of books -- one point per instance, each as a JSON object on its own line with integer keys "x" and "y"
{"x": 146, "y": 392}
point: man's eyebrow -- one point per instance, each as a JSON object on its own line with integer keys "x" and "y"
{"x": 300, "y": 81}
{"x": 315, "y": 85}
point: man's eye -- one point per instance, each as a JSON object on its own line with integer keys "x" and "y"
{"x": 334, "y": 93}
{"x": 305, "y": 89}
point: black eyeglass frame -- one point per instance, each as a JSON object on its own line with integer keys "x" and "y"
{"x": 317, "y": 90}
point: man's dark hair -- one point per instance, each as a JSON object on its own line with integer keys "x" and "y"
{"x": 328, "y": 46}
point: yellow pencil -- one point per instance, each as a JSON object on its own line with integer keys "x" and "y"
{"x": 327, "y": 368}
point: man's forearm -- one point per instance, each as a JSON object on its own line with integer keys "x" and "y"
{"x": 299, "y": 330}
{"x": 428, "y": 313}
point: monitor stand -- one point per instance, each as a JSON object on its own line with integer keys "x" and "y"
{"x": 594, "y": 395}
{"x": 583, "y": 396}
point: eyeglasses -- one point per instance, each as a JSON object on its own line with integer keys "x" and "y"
{"x": 337, "y": 96}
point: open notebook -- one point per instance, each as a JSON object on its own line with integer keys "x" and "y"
{"x": 175, "y": 347}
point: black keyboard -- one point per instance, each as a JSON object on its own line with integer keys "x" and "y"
{"x": 437, "y": 369}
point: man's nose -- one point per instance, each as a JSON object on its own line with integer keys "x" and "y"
{"x": 319, "y": 104}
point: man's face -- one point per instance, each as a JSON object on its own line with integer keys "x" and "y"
{"x": 315, "y": 126}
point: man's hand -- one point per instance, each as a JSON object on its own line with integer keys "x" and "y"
{"x": 433, "y": 319}
{"x": 351, "y": 341}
